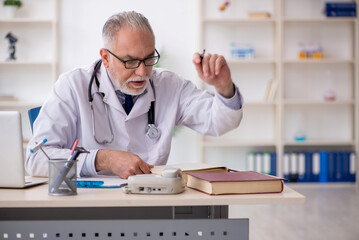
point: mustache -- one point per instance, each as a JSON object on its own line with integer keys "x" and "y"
{"x": 135, "y": 79}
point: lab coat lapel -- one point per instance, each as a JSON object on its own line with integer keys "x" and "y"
{"x": 106, "y": 87}
{"x": 143, "y": 103}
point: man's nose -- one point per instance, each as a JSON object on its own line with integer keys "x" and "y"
{"x": 141, "y": 70}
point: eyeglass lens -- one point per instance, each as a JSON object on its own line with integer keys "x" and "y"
{"x": 136, "y": 63}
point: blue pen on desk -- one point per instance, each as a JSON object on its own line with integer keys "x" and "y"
{"x": 97, "y": 184}
{"x": 89, "y": 184}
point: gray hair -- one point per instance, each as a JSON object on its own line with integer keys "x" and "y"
{"x": 117, "y": 21}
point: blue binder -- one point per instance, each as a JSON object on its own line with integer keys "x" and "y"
{"x": 339, "y": 167}
{"x": 308, "y": 167}
{"x": 331, "y": 166}
{"x": 323, "y": 172}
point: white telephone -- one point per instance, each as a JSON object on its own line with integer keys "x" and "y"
{"x": 170, "y": 182}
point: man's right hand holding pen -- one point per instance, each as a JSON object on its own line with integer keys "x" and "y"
{"x": 213, "y": 69}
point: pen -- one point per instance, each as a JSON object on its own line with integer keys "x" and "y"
{"x": 39, "y": 146}
{"x": 74, "y": 146}
{"x": 89, "y": 184}
{"x": 202, "y": 55}
{"x": 97, "y": 184}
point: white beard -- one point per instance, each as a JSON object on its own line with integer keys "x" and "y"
{"x": 138, "y": 90}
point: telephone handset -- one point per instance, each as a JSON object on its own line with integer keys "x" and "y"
{"x": 169, "y": 182}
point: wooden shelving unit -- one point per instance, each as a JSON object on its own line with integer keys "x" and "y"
{"x": 31, "y": 76}
{"x": 269, "y": 125}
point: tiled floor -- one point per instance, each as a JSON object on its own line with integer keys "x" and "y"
{"x": 331, "y": 212}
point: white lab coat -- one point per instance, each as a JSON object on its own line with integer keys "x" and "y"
{"x": 66, "y": 116}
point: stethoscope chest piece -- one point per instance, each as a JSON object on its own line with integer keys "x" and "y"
{"x": 152, "y": 131}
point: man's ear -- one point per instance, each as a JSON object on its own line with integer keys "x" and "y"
{"x": 105, "y": 57}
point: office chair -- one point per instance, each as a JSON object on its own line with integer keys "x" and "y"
{"x": 33, "y": 112}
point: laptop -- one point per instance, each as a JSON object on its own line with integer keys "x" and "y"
{"x": 12, "y": 168}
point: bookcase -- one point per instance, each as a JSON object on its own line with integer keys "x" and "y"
{"x": 24, "y": 82}
{"x": 299, "y": 116}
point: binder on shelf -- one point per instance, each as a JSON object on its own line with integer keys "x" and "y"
{"x": 340, "y": 5}
{"x": 345, "y": 158}
{"x": 323, "y": 169}
{"x": 266, "y": 163}
{"x": 341, "y": 14}
{"x": 340, "y": 9}
{"x": 286, "y": 166}
{"x": 331, "y": 166}
{"x": 250, "y": 161}
{"x": 308, "y": 167}
{"x": 315, "y": 167}
{"x": 293, "y": 166}
{"x": 352, "y": 167}
{"x": 339, "y": 167}
{"x": 258, "y": 162}
{"x": 301, "y": 167}
{"x": 273, "y": 164}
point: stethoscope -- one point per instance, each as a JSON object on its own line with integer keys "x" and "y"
{"x": 152, "y": 131}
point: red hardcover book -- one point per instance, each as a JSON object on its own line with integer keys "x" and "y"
{"x": 243, "y": 182}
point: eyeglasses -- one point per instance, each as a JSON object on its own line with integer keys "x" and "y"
{"x": 135, "y": 63}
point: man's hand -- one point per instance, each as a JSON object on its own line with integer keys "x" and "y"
{"x": 123, "y": 164}
{"x": 213, "y": 69}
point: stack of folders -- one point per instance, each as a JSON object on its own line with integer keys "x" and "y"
{"x": 323, "y": 166}
{"x": 262, "y": 162}
{"x": 340, "y": 9}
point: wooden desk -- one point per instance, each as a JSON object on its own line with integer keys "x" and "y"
{"x": 111, "y": 207}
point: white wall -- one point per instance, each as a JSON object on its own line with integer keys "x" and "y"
{"x": 174, "y": 23}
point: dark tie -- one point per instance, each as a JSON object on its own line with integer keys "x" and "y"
{"x": 128, "y": 103}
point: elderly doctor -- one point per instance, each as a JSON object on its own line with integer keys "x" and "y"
{"x": 124, "y": 112}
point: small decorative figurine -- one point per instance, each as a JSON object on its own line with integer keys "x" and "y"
{"x": 12, "y": 40}
{"x": 224, "y": 6}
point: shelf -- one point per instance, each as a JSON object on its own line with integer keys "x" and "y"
{"x": 10, "y": 63}
{"x": 319, "y": 20}
{"x": 250, "y": 61}
{"x": 26, "y": 20}
{"x": 237, "y": 143}
{"x": 259, "y": 104}
{"x": 300, "y": 83}
{"x": 318, "y": 102}
{"x": 319, "y": 61}
{"x": 319, "y": 143}
{"x": 20, "y": 104}
{"x": 238, "y": 20}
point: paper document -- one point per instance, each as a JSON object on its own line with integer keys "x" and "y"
{"x": 108, "y": 181}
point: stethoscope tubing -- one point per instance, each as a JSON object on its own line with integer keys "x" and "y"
{"x": 154, "y": 133}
